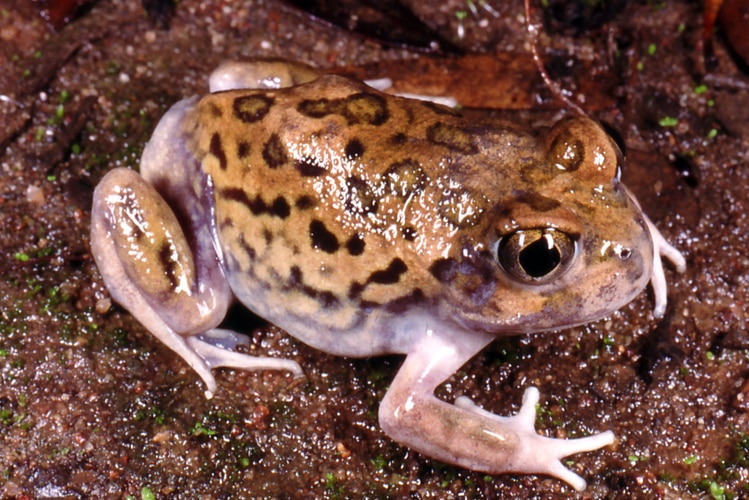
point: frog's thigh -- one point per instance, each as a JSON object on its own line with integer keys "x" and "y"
{"x": 145, "y": 260}
{"x": 147, "y": 265}
{"x": 260, "y": 74}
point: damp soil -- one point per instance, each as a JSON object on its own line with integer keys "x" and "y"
{"x": 92, "y": 406}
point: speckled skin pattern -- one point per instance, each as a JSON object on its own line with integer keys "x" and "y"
{"x": 364, "y": 224}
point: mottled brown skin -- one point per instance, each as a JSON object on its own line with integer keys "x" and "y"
{"x": 340, "y": 205}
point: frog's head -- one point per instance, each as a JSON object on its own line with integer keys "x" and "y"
{"x": 568, "y": 247}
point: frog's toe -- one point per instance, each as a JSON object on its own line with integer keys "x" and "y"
{"x": 216, "y": 356}
{"x": 541, "y": 454}
{"x": 662, "y": 249}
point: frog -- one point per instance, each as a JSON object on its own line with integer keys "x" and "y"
{"x": 365, "y": 224}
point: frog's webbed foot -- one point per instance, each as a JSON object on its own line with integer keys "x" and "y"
{"x": 662, "y": 249}
{"x": 544, "y": 452}
{"x": 461, "y": 433}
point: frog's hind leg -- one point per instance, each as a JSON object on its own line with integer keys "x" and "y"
{"x": 178, "y": 292}
{"x": 269, "y": 74}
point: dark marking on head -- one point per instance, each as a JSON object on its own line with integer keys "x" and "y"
{"x": 405, "y": 178}
{"x": 322, "y": 239}
{"x": 217, "y": 150}
{"x": 354, "y": 149}
{"x": 360, "y": 197}
{"x": 390, "y": 275}
{"x": 366, "y": 108}
{"x": 305, "y": 202}
{"x": 274, "y": 152}
{"x": 252, "y": 108}
{"x": 538, "y": 202}
{"x": 355, "y": 245}
{"x": 243, "y": 149}
{"x": 402, "y": 304}
{"x": 267, "y": 236}
{"x": 279, "y": 208}
{"x": 310, "y": 167}
{"x": 409, "y": 233}
{"x": 444, "y": 269}
{"x": 452, "y": 137}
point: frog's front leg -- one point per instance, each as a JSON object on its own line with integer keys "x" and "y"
{"x": 464, "y": 434}
{"x": 178, "y": 293}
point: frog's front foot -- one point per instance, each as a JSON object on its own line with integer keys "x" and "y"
{"x": 462, "y": 433}
{"x": 540, "y": 453}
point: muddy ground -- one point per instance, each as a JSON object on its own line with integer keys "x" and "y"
{"x": 92, "y": 406}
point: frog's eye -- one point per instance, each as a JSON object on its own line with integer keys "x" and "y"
{"x": 536, "y": 256}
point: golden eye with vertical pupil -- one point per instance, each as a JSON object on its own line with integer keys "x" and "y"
{"x": 536, "y": 256}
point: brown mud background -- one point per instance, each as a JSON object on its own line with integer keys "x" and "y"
{"x": 92, "y": 406}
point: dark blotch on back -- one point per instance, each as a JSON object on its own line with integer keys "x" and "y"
{"x": 305, "y": 202}
{"x": 217, "y": 150}
{"x": 322, "y": 239}
{"x": 452, "y": 137}
{"x": 354, "y": 149}
{"x": 279, "y": 208}
{"x": 409, "y": 233}
{"x": 243, "y": 149}
{"x": 362, "y": 107}
{"x": 405, "y": 178}
{"x": 366, "y": 108}
{"x": 360, "y": 197}
{"x": 355, "y": 245}
{"x": 389, "y": 275}
{"x": 252, "y": 108}
{"x": 274, "y": 152}
{"x": 309, "y": 167}
{"x": 317, "y": 108}
{"x": 399, "y": 138}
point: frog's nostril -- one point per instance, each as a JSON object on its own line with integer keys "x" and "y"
{"x": 624, "y": 253}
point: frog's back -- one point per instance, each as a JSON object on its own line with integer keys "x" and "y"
{"x": 331, "y": 208}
